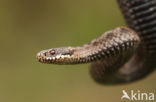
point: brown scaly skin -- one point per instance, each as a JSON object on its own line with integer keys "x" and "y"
{"x": 140, "y": 16}
{"x": 113, "y": 49}
{"x": 113, "y": 43}
{"x": 119, "y": 55}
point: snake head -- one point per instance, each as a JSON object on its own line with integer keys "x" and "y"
{"x": 61, "y": 55}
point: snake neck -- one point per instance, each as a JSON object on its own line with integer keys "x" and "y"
{"x": 112, "y": 43}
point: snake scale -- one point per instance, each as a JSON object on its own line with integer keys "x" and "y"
{"x": 121, "y": 55}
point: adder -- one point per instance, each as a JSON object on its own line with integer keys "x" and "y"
{"x": 121, "y": 55}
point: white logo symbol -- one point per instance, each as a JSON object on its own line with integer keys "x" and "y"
{"x": 125, "y": 95}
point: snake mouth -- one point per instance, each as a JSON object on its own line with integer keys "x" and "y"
{"x": 41, "y": 56}
{"x": 44, "y": 57}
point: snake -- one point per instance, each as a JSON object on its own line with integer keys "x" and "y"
{"x": 122, "y": 55}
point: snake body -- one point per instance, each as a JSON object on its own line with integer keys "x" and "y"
{"x": 120, "y": 55}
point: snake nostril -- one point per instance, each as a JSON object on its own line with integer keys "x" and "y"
{"x": 52, "y": 52}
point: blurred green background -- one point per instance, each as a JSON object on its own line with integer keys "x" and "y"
{"x": 28, "y": 26}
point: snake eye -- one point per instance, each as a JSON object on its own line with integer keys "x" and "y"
{"x": 52, "y": 52}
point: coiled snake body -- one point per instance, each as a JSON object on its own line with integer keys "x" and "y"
{"x": 120, "y": 55}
